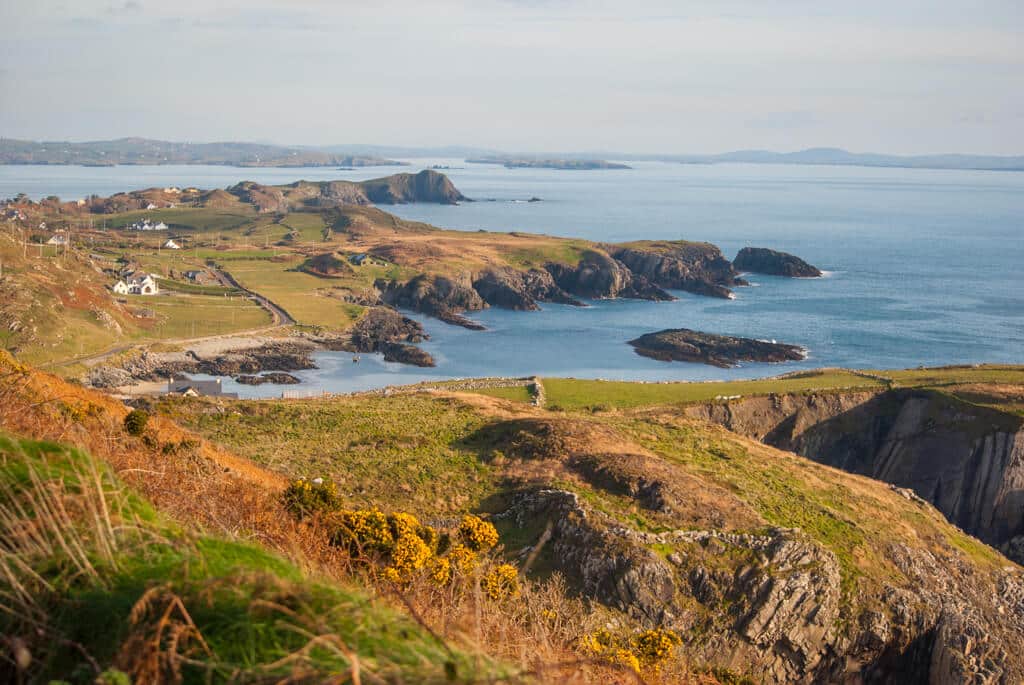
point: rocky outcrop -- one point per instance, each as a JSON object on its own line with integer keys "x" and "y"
{"x": 965, "y": 459}
{"x": 765, "y": 261}
{"x": 386, "y": 331}
{"x": 327, "y": 265}
{"x": 274, "y": 377}
{"x": 426, "y": 186}
{"x": 682, "y": 344}
{"x": 600, "y": 276}
{"x": 438, "y": 296}
{"x": 698, "y": 268}
{"x": 520, "y": 290}
{"x": 770, "y": 604}
{"x": 284, "y": 355}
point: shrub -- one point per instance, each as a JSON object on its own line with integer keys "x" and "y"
{"x": 648, "y": 649}
{"x": 501, "y": 582}
{"x": 307, "y": 497}
{"x": 479, "y": 535}
{"x": 135, "y": 422}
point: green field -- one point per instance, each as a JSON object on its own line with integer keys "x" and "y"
{"x": 515, "y": 393}
{"x": 187, "y": 218}
{"x": 570, "y": 393}
{"x": 298, "y": 293}
{"x": 189, "y": 316}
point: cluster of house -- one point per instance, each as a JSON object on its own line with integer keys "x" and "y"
{"x": 136, "y": 283}
{"x": 14, "y": 214}
{"x": 147, "y": 225}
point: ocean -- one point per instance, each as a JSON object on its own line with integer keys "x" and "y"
{"x": 923, "y": 267}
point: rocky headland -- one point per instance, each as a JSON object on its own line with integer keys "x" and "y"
{"x": 764, "y": 261}
{"x": 685, "y": 345}
{"x": 386, "y": 331}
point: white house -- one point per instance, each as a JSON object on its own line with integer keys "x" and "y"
{"x": 58, "y": 239}
{"x": 137, "y": 283}
{"x": 151, "y": 206}
{"x": 171, "y": 245}
{"x": 146, "y": 225}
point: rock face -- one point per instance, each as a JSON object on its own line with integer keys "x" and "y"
{"x": 765, "y": 261}
{"x": 519, "y": 290}
{"x": 438, "y": 296}
{"x": 965, "y": 459}
{"x": 698, "y": 268}
{"x": 770, "y": 604}
{"x": 426, "y": 186}
{"x": 388, "y": 332}
{"x": 682, "y": 344}
{"x": 600, "y": 276}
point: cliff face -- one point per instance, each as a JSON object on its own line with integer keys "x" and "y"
{"x": 426, "y": 186}
{"x": 599, "y": 275}
{"x": 694, "y": 267}
{"x": 966, "y": 460}
{"x": 771, "y": 602}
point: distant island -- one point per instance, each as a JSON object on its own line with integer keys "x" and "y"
{"x": 568, "y": 164}
{"x": 125, "y": 151}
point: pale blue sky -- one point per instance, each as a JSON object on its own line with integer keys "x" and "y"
{"x": 900, "y": 76}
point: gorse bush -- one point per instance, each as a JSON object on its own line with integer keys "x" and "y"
{"x": 307, "y": 497}
{"x": 649, "y": 649}
{"x": 477, "y": 534}
{"x": 135, "y": 422}
{"x": 400, "y": 548}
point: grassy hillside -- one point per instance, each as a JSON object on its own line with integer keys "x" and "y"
{"x": 104, "y": 584}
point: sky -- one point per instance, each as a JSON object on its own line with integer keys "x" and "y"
{"x": 893, "y": 76}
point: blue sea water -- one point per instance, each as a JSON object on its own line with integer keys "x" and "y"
{"x": 923, "y": 266}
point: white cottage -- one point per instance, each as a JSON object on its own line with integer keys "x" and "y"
{"x": 171, "y": 245}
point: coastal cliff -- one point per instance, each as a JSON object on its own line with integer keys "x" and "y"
{"x": 965, "y": 459}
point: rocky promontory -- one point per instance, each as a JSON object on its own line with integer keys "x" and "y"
{"x": 764, "y": 261}
{"x": 386, "y": 331}
{"x": 685, "y": 345}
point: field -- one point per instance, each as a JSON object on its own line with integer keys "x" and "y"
{"x": 573, "y": 394}
{"x": 306, "y": 298}
{"x": 192, "y": 316}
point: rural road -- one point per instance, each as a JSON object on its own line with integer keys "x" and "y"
{"x": 278, "y": 314}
